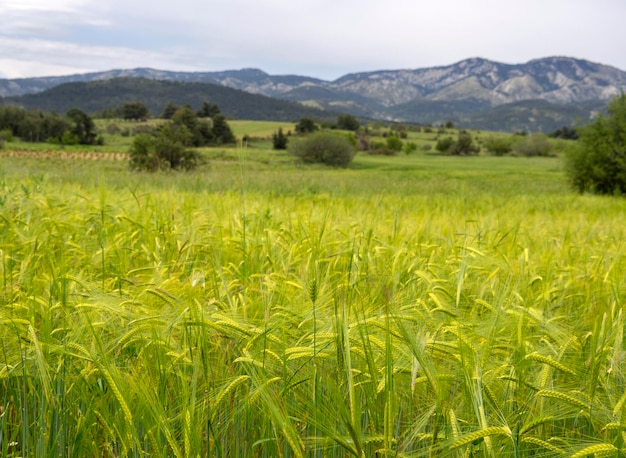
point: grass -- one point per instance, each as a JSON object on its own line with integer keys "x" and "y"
{"x": 407, "y": 306}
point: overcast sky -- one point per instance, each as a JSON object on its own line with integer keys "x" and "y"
{"x": 320, "y": 38}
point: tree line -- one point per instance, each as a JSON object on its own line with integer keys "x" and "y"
{"x": 75, "y": 127}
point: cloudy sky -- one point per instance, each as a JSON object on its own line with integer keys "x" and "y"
{"x": 320, "y": 38}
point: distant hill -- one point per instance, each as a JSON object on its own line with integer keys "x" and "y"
{"x": 96, "y": 96}
{"x": 474, "y": 92}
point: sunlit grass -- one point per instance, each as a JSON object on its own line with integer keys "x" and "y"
{"x": 407, "y": 306}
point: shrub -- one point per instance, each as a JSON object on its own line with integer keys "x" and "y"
{"x": 394, "y": 143}
{"x": 444, "y": 144}
{"x": 6, "y": 135}
{"x": 599, "y": 163}
{"x": 410, "y": 147}
{"x": 279, "y": 140}
{"x": 536, "y": 144}
{"x": 113, "y": 129}
{"x": 68, "y": 138}
{"x": 464, "y": 145}
{"x": 324, "y": 148}
{"x": 163, "y": 150}
{"x": 498, "y": 145}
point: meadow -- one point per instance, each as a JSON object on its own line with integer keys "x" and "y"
{"x": 407, "y": 306}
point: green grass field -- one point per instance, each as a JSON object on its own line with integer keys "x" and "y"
{"x": 406, "y": 306}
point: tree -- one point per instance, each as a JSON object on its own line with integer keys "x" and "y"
{"x": 324, "y": 148}
{"x": 186, "y": 116}
{"x": 599, "y": 163}
{"x": 82, "y": 127}
{"x": 464, "y": 145}
{"x": 279, "y": 140}
{"x": 222, "y": 131}
{"x": 306, "y": 126}
{"x": 135, "y": 111}
{"x": 208, "y": 110}
{"x": 200, "y": 133}
{"x": 169, "y": 111}
{"x": 566, "y": 133}
{"x": 347, "y": 122}
{"x": 163, "y": 150}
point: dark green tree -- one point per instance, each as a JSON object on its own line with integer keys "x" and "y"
{"x": 464, "y": 145}
{"x": 222, "y": 132}
{"x": 208, "y": 110}
{"x": 169, "y": 111}
{"x": 347, "y": 122}
{"x": 135, "y": 111}
{"x": 306, "y": 126}
{"x": 599, "y": 163}
{"x": 279, "y": 140}
{"x": 82, "y": 126}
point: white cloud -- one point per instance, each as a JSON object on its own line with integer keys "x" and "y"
{"x": 46, "y": 58}
{"x": 325, "y": 38}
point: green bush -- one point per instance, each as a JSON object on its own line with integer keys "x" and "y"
{"x": 394, "y": 143}
{"x": 164, "y": 150}
{"x": 536, "y": 144}
{"x": 410, "y": 147}
{"x": 498, "y": 145}
{"x": 324, "y": 148}
{"x": 464, "y": 145}
{"x": 599, "y": 163}
{"x": 6, "y": 136}
{"x": 444, "y": 144}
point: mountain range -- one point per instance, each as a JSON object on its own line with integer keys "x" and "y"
{"x": 542, "y": 94}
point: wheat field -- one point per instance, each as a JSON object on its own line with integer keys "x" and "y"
{"x": 251, "y": 312}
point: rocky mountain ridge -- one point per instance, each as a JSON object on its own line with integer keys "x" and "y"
{"x": 471, "y": 85}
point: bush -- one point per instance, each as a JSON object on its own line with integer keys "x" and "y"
{"x": 6, "y": 136}
{"x": 324, "y": 148}
{"x": 599, "y": 163}
{"x": 536, "y": 144}
{"x": 444, "y": 144}
{"x": 394, "y": 143}
{"x": 410, "y": 147}
{"x": 464, "y": 146}
{"x": 163, "y": 150}
{"x": 279, "y": 140}
{"x": 498, "y": 145}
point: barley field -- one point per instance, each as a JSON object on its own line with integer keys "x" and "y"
{"x": 414, "y": 306}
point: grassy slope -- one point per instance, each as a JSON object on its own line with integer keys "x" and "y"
{"x": 419, "y": 305}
